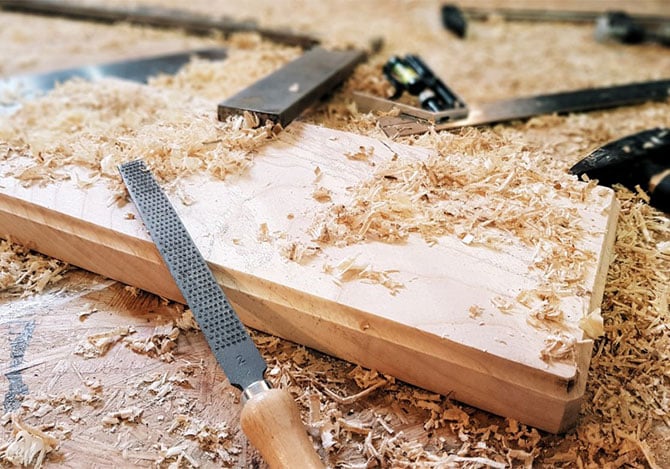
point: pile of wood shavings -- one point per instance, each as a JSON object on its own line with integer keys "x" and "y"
{"x": 23, "y": 271}
{"x": 629, "y": 358}
{"x": 249, "y": 58}
{"x": 101, "y": 125}
{"x": 370, "y": 420}
{"x": 490, "y": 199}
{"x": 626, "y": 397}
{"x": 30, "y": 446}
{"x": 628, "y": 392}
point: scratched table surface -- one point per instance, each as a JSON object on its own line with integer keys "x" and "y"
{"x": 169, "y": 403}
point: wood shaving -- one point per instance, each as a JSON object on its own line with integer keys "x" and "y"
{"x": 84, "y": 315}
{"x": 349, "y": 270}
{"x": 30, "y": 447}
{"x": 627, "y": 388}
{"x": 103, "y": 125}
{"x": 592, "y": 324}
{"x": 129, "y": 414}
{"x": 24, "y": 272}
{"x": 559, "y": 347}
{"x": 97, "y": 345}
{"x": 321, "y": 194}
{"x": 187, "y": 322}
{"x": 299, "y": 252}
{"x": 475, "y": 311}
{"x": 264, "y": 233}
{"x": 216, "y": 439}
{"x": 363, "y": 154}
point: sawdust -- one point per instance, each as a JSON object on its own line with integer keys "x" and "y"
{"x": 97, "y": 345}
{"x": 23, "y": 271}
{"x": 350, "y": 269}
{"x": 30, "y": 446}
{"x": 395, "y": 425}
{"x": 101, "y": 127}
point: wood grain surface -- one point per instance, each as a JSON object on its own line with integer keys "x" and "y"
{"x": 187, "y": 404}
{"x": 423, "y": 333}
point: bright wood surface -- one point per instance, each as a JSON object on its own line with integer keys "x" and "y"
{"x": 423, "y": 334}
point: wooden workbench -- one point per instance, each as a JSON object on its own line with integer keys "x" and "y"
{"x": 121, "y": 407}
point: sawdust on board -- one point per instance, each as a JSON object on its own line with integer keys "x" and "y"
{"x": 101, "y": 125}
{"x": 627, "y": 387}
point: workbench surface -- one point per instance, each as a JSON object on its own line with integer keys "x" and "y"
{"x": 118, "y": 377}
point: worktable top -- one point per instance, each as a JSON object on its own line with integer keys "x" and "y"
{"x": 144, "y": 405}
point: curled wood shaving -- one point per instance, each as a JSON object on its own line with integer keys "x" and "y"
{"x": 159, "y": 344}
{"x": 559, "y": 347}
{"x": 592, "y": 324}
{"x": 349, "y": 269}
{"x": 475, "y": 311}
{"x": 129, "y": 414}
{"x": 355, "y": 397}
{"x": 23, "y": 271}
{"x": 187, "y": 322}
{"x": 363, "y": 154}
{"x": 298, "y": 251}
{"x": 97, "y": 345}
{"x": 321, "y": 194}
{"x": 180, "y": 455}
{"x": 30, "y": 446}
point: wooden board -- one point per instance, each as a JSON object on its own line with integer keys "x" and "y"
{"x": 424, "y": 334}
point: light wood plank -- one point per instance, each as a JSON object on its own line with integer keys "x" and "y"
{"x": 423, "y": 334}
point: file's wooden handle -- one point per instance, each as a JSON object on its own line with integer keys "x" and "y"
{"x": 272, "y": 423}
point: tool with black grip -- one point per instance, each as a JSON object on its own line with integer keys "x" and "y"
{"x": 270, "y": 417}
{"x": 411, "y": 74}
{"x": 641, "y": 159}
{"x": 414, "y": 120}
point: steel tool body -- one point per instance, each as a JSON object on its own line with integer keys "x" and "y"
{"x": 270, "y": 417}
{"x": 154, "y": 16}
{"x": 285, "y": 93}
{"x": 414, "y": 120}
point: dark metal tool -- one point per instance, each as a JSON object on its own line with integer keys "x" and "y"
{"x": 453, "y": 19}
{"x": 411, "y": 74}
{"x": 153, "y": 16}
{"x": 24, "y": 87}
{"x": 619, "y": 26}
{"x": 270, "y": 418}
{"x": 410, "y": 122}
{"x": 284, "y": 94}
{"x": 547, "y": 15}
{"x": 641, "y": 159}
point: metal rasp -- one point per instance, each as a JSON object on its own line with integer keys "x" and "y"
{"x": 28, "y": 86}
{"x": 270, "y": 417}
